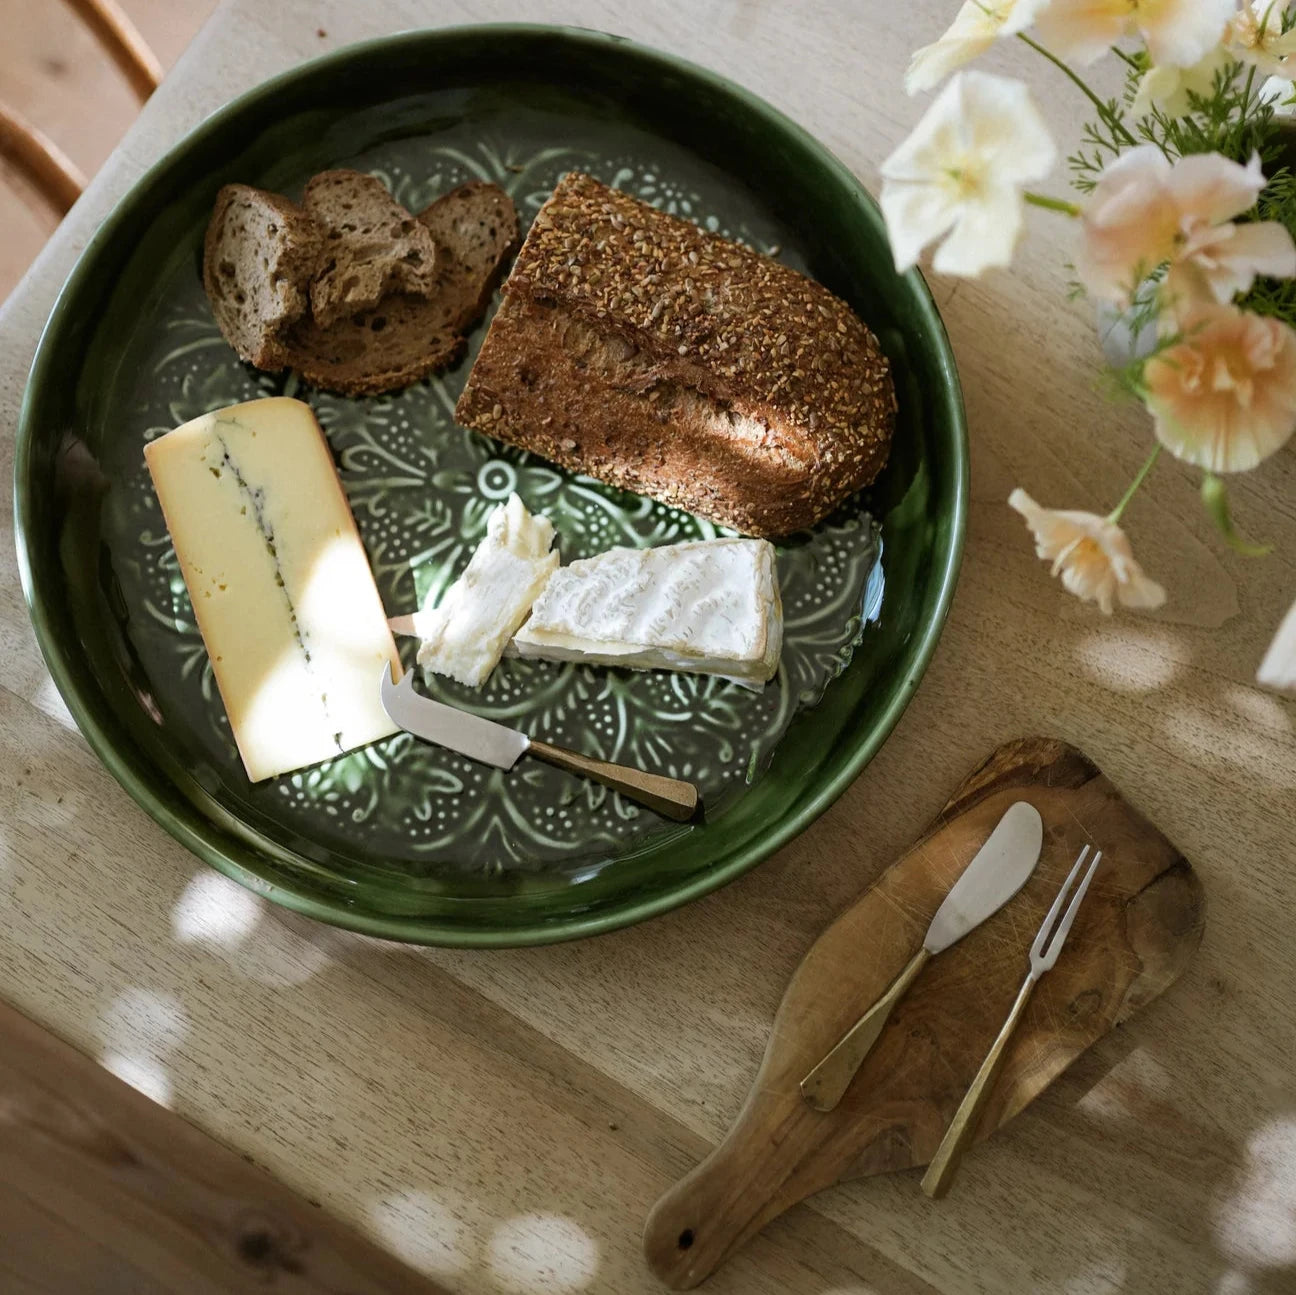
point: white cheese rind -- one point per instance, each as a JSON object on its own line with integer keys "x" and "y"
{"x": 464, "y": 635}
{"x": 280, "y": 584}
{"x": 707, "y": 607}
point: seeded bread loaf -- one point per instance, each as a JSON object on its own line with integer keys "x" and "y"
{"x": 636, "y": 348}
{"x": 259, "y": 256}
{"x": 373, "y": 246}
{"x": 405, "y": 337}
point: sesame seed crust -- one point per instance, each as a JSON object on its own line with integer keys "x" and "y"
{"x": 767, "y": 349}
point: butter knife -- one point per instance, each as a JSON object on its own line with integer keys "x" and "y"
{"x": 501, "y": 746}
{"x": 997, "y": 872}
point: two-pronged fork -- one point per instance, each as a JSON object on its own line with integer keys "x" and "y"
{"x": 1044, "y": 953}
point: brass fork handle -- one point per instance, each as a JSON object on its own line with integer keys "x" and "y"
{"x": 827, "y": 1083}
{"x": 668, "y": 796}
{"x": 944, "y": 1165}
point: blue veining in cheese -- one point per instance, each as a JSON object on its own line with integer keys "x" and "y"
{"x": 279, "y": 581}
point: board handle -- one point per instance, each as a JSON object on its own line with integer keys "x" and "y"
{"x": 706, "y": 1216}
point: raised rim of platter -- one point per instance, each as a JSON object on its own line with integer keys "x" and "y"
{"x": 197, "y": 831}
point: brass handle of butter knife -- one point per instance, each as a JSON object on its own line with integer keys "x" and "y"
{"x": 944, "y": 1164}
{"x": 668, "y": 796}
{"x": 827, "y": 1083}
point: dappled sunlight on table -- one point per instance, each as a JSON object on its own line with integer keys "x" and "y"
{"x": 1137, "y": 661}
{"x": 542, "y": 1252}
{"x": 1255, "y": 1224}
{"x": 140, "y": 1030}
{"x": 215, "y": 910}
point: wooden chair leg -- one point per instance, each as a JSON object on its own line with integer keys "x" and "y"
{"x": 117, "y": 34}
{"x": 40, "y": 161}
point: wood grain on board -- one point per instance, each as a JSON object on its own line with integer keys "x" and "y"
{"x": 1141, "y": 921}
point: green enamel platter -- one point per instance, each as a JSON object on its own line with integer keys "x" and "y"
{"x": 404, "y": 840}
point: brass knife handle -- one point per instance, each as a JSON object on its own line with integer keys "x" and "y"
{"x": 944, "y": 1165}
{"x": 827, "y": 1083}
{"x": 668, "y": 796}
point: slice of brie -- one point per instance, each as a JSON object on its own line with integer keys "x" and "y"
{"x": 464, "y": 635}
{"x": 708, "y": 607}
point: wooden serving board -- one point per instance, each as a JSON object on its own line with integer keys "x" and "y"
{"x": 1136, "y": 931}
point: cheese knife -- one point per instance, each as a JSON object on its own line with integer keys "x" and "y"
{"x": 997, "y": 872}
{"x": 501, "y": 746}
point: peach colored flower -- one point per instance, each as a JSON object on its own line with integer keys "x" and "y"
{"x": 1278, "y": 669}
{"x": 959, "y": 175}
{"x": 1146, "y": 212}
{"x": 1255, "y": 36}
{"x": 1091, "y": 554}
{"x": 1177, "y": 32}
{"x": 1224, "y": 397}
{"x": 975, "y": 28}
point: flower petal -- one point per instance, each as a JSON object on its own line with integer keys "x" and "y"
{"x": 1090, "y": 554}
{"x": 1182, "y": 32}
{"x": 931, "y": 64}
{"x": 975, "y": 28}
{"x": 1281, "y": 94}
{"x": 1211, "y": 188}
{"x": 1084, "y": 30}
{"x": 1167, "y": 88}
{"x": 1141, "y": 592}
{"x": 1224, "y": 398}
{"x": 1278, "y": 669}
{"x": 1226, "y": 260}
{"x": 984, "y": 235}
{"x": 981, "y": 137}
{"x": 915, "y": 214}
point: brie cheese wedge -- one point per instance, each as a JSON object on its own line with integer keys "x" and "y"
{"x": 707, "y": 607}
{"x": 464, "y": 635}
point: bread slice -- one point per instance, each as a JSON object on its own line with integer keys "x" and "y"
{"x": 475, "y": 228}
{"x": 259, "y": 256}
{"x": 404, "y": 337}
{"x": 637, "y": 348}
{"x": 373, "y": 246}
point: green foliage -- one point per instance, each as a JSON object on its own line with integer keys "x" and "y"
{"x": 1215, "y": 498}
{"x": 1231, "y": 119}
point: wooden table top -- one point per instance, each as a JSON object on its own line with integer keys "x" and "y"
{"x": 504, "y": 1120}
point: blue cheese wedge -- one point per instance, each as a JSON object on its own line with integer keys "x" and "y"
{"x": 279, "y": 581}
{"x": 709, "y": 607}
{"x": 465, "y": 634}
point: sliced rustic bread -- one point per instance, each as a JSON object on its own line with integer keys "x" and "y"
{"x": 406, "y": 337}
{"x": 475, "y": 228}
{"x": 373, "y": 246}
{"x": 639, "y": 349}
{"x": 259, "y": 256}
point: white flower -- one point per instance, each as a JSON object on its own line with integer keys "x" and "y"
{"x": 975, "y": 28}
{"x": 1146, "y": 212}
{"x": 1168, "y": 88}
{"x": 1091, "y": 553}
{"x": 1255, "y": 35}
{"x": 1178, "y": 33}
{"x": 960, "y": 175}
{"x": 1278, "y": 669}
{"x": 1281, "y": 93}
